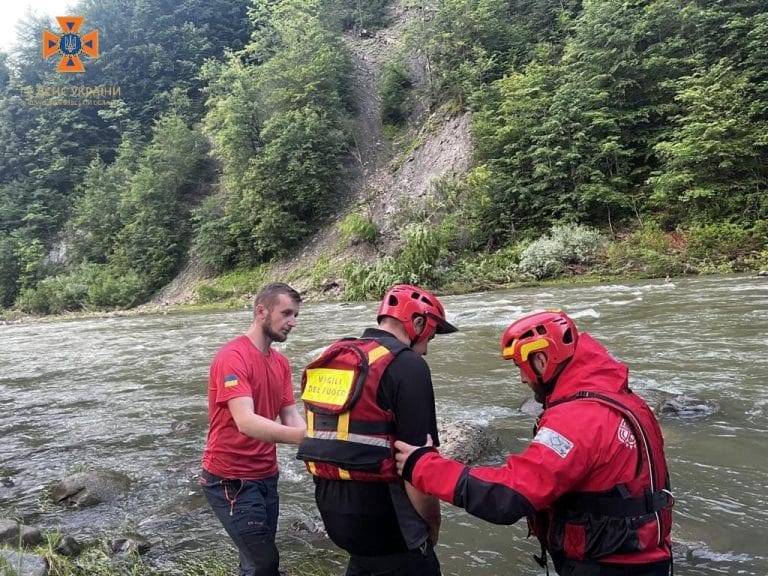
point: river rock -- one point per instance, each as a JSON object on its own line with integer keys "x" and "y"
{"x": 69, "y": 547}
{"x": 763, "y": 273}
{"x": 688, "y": 407}
{"x": 531, "y": 408}
{"x": 84, "y": 489}
{"x": 129, "y": 543}
{"x": 464, "y": 441}
{"x": 22, "y": 564}
{"x": 691, "y": 551}
{"x": 309, "y": 529}
{"x": 307, "y": 526}
{"x": 6, "y": 476}
{"x": 12, "y": 534}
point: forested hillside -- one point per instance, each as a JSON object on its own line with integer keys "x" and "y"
{"x": 614, "y": 136}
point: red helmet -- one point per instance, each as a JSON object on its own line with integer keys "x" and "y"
{"x": 406, "y": 302}
{"x": 551, "y": 332}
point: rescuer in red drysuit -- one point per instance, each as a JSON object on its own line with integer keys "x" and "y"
{"x": 593, "y": 483}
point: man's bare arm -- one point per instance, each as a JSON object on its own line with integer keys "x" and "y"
{"x": 289, "y": 415}
{"x": 260, "y": 428}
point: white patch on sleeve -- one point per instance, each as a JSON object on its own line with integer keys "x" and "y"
{"x": 555, "y": 441}
{"x": 625, "y": 436}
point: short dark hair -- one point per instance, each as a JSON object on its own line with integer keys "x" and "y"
{"x": 267, "y": 296}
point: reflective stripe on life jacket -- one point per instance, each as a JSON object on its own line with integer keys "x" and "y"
{"x": 349, "y": 436}
{"x": 629, "y": 523}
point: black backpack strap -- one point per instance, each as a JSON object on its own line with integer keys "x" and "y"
{"x": 611, "y": 505}
{"x": 390, "y": 343}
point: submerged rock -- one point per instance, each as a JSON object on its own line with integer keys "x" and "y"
{"x": 531, "y": 408}
{"x": 14, "y": 534}
{"x": 464, "y": 441}
{"x": 307, "y": 526}
{"x": 22, "y": 564}
{"x": 688, "y": 407}
{"x": 129, "y": 543}
{"x": 685, "y": 550}
{"x": 89, "y": 488}
{"x": 763, "y": 273}
{"x": 693, "y": 552}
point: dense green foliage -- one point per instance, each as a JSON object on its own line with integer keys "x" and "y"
{"x": 277, "y": 113}
{"x": 358, "y": 14}
{"x": 395, "y": 86}
{"x": 607, "y": 112}
{"x": 100, "y": 201}
{"x": 638, "y": 126}
{"x": 357, "y": 228}
{"x": 93, "y": 201}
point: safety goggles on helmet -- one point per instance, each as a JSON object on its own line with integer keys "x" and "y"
{"x": 406, "y": 302}
{"x": 551, "y": 332}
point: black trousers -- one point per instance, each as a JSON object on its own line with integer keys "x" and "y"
{"x": 413, "y": 563}
{"x": 248, "y": 510}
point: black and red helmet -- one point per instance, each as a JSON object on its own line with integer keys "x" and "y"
{"x": 551, "y": 332}
{"x": 405, "y": 302}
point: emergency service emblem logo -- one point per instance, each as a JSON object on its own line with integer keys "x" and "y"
{"x": 625, "y": 435}
{"x": 555, "y": 441}
{"x": 70, "y": 44}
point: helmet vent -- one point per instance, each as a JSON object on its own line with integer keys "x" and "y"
{"x": 540, "y": 329}
{"x": 392, "y": 300}
{"x": 568, "y": 336}
{"x": 527, "y": 334}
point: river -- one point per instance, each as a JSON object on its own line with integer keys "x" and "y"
{"x": 128, "y": 393}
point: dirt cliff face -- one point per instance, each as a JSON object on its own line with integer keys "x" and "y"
{"x": 382, "y": 175}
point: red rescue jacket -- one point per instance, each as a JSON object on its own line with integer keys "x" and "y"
{"x": 594, "y": 479}
{"x": 349, "y": 437}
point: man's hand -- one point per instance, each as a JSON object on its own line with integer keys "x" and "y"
{"x": 404, "y": 450}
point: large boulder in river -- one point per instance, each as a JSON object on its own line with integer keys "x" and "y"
{"x": 14, "y": 563}
{"x": 88, "y": 488}
{"x": 531, "y": 407}
{"x": 687, "y": 407}
{"x": 12, "y": 534}
{"x": 464, "y": 441}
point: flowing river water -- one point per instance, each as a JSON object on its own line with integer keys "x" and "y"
{"x": 128, "y": 394}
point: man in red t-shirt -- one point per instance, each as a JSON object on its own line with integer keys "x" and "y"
{"x": 249, "y": 387}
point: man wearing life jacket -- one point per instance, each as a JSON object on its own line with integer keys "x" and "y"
{"x": 593, "y": 482}
{"x": 360, "y": 396}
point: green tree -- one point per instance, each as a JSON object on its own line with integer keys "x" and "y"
{"x": 714, "y": 162}
{"x": 154, "y": 236}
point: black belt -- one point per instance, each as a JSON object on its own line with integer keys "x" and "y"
{"x": 616, "y": 505}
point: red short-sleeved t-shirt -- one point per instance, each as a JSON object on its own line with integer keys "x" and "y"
{"x": 241, "y": 369}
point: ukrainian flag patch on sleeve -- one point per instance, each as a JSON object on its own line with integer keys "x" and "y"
{"x": 230, "y": 381}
